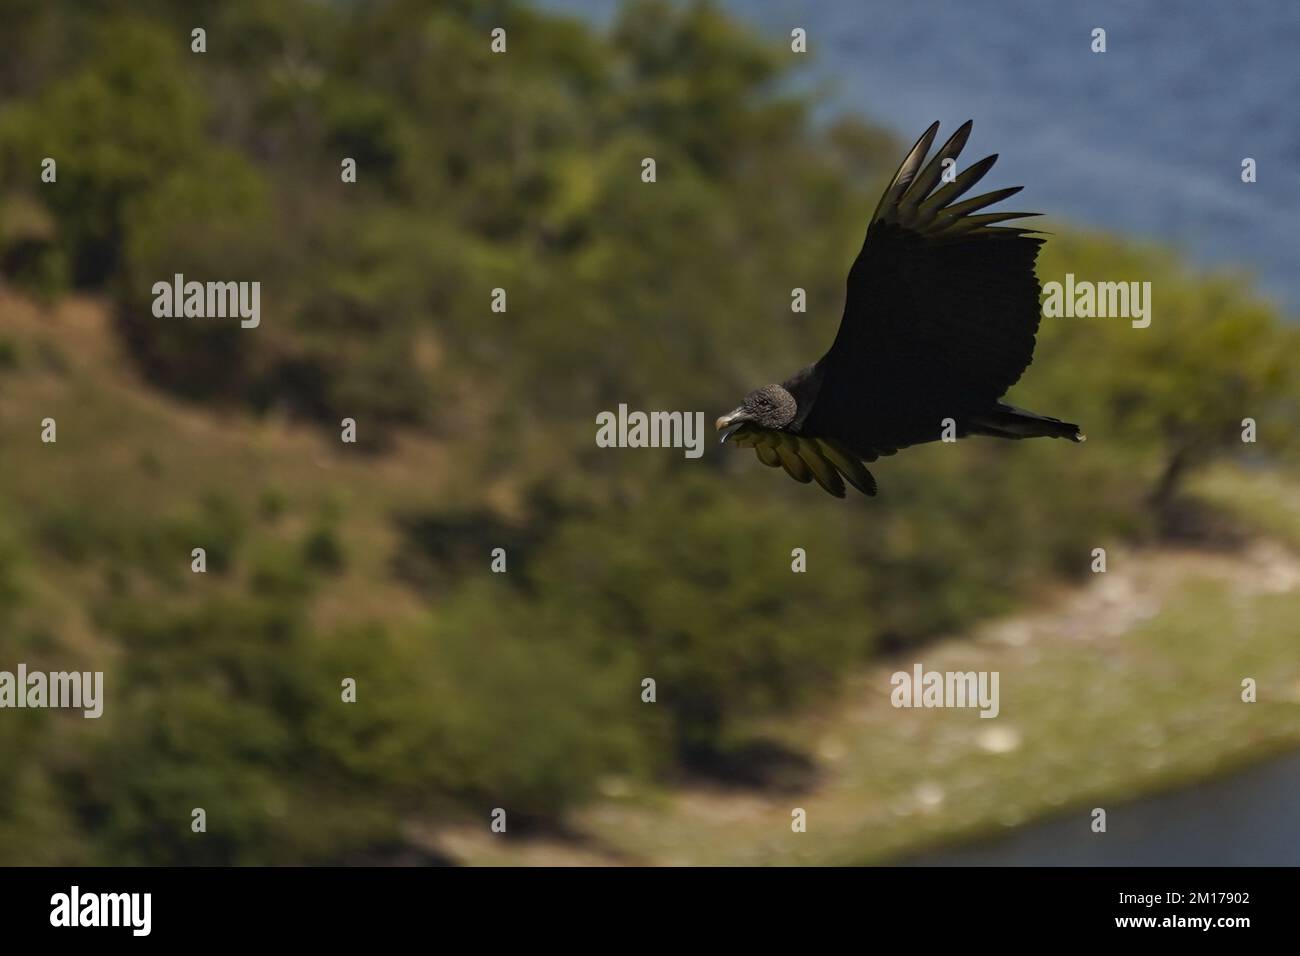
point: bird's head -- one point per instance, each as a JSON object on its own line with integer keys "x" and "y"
{"x": 770, "y": 407}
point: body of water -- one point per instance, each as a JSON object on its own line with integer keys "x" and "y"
{"x": 1247, "y": 819}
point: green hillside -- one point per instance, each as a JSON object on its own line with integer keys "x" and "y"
{"x": 328, "y": 560}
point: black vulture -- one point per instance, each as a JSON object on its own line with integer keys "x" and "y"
{"x": 939, "y": 321}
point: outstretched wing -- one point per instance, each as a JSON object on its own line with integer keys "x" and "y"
{"x": 941, "y": 311}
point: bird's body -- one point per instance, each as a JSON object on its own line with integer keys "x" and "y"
{"x": 939, "y": 321}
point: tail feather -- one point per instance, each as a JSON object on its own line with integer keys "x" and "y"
{"x": 1007, "y": 421}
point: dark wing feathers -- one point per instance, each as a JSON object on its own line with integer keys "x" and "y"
{"x": 923, "y": 183}
{"x": 941, "y": 311}
{"x": 956, "y": 210}
{"x": 960, "y": 185}
{"x": 906, "y": 172}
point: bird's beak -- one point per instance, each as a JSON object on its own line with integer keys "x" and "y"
{"x": 730, "y": 423}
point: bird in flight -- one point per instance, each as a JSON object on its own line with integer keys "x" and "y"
{"x": 939, "y": 321}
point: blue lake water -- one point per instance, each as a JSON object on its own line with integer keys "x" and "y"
{"x": 1247, "y": 819}
{"x": 1145, "y": 139}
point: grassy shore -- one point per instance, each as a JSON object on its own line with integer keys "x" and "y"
{"x": 1125, "y": 687}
